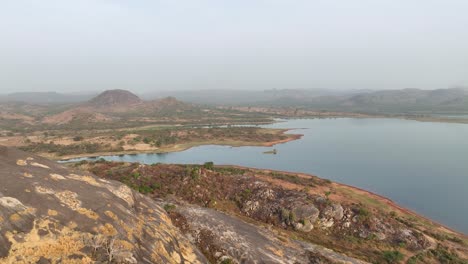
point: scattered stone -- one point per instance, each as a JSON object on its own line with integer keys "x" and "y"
{"x": 57, "y": 177}
{"x": 35, "y": 164}
{"x": 21, "y": 163}
{"x": 27, "y": 175}
{"x": 12, "y": 203}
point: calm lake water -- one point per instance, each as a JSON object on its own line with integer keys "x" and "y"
{"x": 420, "y": 165}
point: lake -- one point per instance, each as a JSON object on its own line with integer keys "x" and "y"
{"x": 420, "y": 165}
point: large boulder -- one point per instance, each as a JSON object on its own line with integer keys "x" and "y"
{"x": 306, "y": 212}
{"x": 334, "y": 211}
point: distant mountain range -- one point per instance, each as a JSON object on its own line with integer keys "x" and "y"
{"x": 46, "y": 97}
{"x": 242, "y": 97}
{"x": 405, "y": 101}
{"x": 413, "y": 101}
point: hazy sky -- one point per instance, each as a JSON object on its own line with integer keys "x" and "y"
{"x": 151, "y": 45}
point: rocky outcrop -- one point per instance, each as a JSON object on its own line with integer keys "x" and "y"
{"x": 223, "y": 237}
{"x": 312, "y": 209}
{"x": 49, "y": 214}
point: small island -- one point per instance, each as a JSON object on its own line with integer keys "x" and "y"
{"x": 273, "y": 151}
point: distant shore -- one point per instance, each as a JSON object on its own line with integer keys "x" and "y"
{"x": 180, "y": 147}
{"x": 423, "y": 118}
{"x": 291, "y": 137}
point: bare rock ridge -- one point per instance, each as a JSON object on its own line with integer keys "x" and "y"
{"x": 49, "y": 214}
{"x": 112, "y": 98}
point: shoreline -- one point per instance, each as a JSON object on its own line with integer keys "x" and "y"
{"x": 380, "y": 198}
{"x": 178, "y": 148}
{"x": 275, "y": 112}
{"x": 429, "y": 119}
{"x": 376, "y": 196}
{"x": 291, "y": 137}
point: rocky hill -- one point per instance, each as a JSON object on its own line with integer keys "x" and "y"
{"x": 49, "y": 214}
{"x": 291, "y": 216}
{"x": 117, "y": 107}
{"x": 114, "y": 98}
{"x": 126, "y": 102}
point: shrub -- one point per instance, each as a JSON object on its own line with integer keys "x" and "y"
{"x": 456, "y": 240}
{"x": 363, "y": 212}
{"x": 145, "y": 189}
{"x": 364, "y": 216}
{"x": 208, "y": 165}
{"x": 169, "y": 207}
{"x": 78, "y": 138}
{"x": 444, "y": 256}
{"x": 227, "y": 261}
{"x": 156, "y": 185}
{"x": 246, "y": 193}
{"x": 136, "y": 175}
{"x": 392, "y": 256}
{"x": 284, "y": 215}
{"x": 158, "y": 143}
{"x": 292, "y": 216}
{"x": 82, "y": 162}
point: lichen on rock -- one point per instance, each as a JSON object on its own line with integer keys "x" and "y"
{"x": 51, "y": 221}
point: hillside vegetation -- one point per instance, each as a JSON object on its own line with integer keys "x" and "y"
{"x": 152, "y": 139}
{"x": 295, "y": 206}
